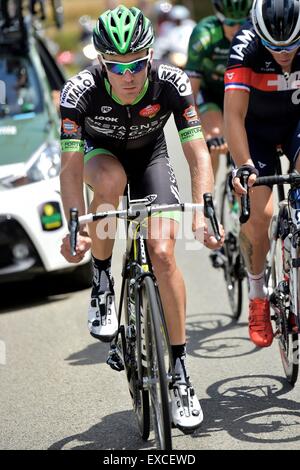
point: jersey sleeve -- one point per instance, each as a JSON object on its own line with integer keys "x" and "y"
{"x": 181, "y": 102}
{"x": 239, "y": 74}
{"x": 197, "y": 51}
{"x": 73, "y": 104}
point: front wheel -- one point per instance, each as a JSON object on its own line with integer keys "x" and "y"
{"x": 281, "y": 302}
{"x": 234, "y": 268}
{"x": 158, "y": 362}
{"x": 133, "y": 362}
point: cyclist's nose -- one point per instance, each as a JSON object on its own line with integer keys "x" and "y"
{"x": 128, "y": 76}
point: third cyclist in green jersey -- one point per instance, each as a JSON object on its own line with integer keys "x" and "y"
{"x": 207, "y": 59}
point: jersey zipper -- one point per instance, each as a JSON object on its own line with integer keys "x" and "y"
{"x": 128, "y": 121}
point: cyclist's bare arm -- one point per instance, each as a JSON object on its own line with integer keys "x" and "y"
{"x": 71, "y": 183}
{"x": 235, "y": 110}
{"x": 195, "y": 82}
{"x": 202, "y": 181}
{"x": 198, "y": 158}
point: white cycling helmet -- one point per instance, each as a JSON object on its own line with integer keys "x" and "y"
{"x": 277, "y": 21}
{"x": 179, "y": 13}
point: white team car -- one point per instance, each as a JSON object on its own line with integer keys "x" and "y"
{"x": 32, "y": 224}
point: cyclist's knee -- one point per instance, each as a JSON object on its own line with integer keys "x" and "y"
{"x": 108, "y": 186}
{"x": 257, "y": 227}
{"x": 162, "y": 255}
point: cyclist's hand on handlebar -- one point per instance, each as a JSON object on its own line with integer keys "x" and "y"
{"x": 217, "y": 146}
{"x": 237, "y": 175}
{"x": 210, "y": 240}
{"x": 84, "y": 243}
{"x": 202, "y": 233}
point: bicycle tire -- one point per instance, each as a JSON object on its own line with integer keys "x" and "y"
{"x": 233, "y": 265}
{"x": 288, "y": 341}
{"x": 158, "y": 363}
{"x": 133, "y": 363}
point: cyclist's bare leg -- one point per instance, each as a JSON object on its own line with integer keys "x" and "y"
{"x": 254, "y": 239}
{"x": 212, "y": 125}
{"x": 105, "y": 174}
{"x": 161, "y": 245}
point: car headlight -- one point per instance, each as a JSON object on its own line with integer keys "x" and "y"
{"x": 45, "y": 163}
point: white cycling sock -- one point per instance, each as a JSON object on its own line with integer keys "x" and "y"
{"x": 257, "y": 288}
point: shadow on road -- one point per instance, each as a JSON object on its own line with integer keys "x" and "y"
{"x": 204, "y": 341}
{"x": 248, "y": 408}
{"x": 19, "y": 295}
{"x": 116, "y": 431}
{"x": 252, "y": 409}
{"x": 207, "y": 337}
{"x": 95, "y": 353}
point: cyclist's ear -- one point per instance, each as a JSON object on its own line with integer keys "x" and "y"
{"x": 151, "y": 52}
{"x": 103, "y": 68}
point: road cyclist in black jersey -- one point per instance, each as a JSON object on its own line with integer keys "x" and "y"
{"x": 262, "y": 110}
{"x": 113, "y": 116}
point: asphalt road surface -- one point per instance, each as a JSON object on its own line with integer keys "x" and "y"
{"x": 57, "y": 392}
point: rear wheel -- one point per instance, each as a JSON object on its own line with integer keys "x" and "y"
{"x": 158, "y": 362}
{"x": 234, "y": 268}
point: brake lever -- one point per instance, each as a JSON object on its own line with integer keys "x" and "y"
{"x": 74, "y": 228}
{"x": 210, "y": 213}
{"x": 245, "y": 199}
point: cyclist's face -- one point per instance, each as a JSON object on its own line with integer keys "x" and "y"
{"x": 284, "y": 59}
{"x": 230, "y": 31}
{"x": 128, "y": 85}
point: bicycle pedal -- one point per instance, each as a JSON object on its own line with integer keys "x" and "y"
{"x": 115, "y": 361}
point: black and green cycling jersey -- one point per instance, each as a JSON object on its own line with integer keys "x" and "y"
{"x": 207, "y": 59}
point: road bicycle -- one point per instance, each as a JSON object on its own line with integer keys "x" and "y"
{"x": 283, "y": 262}
{"x": 142, "y": 337}
{"x": 231, "y": 258}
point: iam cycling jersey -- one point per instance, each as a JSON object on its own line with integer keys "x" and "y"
{"x": 207, "y": 59}
{"x": 89, "y": 110}
{"x": 274, "y": 98}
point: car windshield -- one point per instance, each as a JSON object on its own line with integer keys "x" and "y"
{"x": 20, "y": 90}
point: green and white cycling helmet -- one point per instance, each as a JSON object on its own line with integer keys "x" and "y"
{"x": 232, "y": 9}
{"x": 122, "y": 31}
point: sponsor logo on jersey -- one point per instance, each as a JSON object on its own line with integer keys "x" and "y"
{"x": 190, "y": 114}
{"x": 177, "y": 77}
{"x": 268, "y": 64}
{"x": 281, "y": 83}
{"x": 262, "y": 165}
{"x": 230, "y": 75}
{"x": 69, "y": 127}
{"x": 106, "y": 109}
{"x": 296, "y": 99}
{"x": 237, "y": 50}
{"x": 150, "y": 198}
{"x": 150, "y": 111}
{"x": 75, "y": 88}
{"x": 106, "y": 118}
